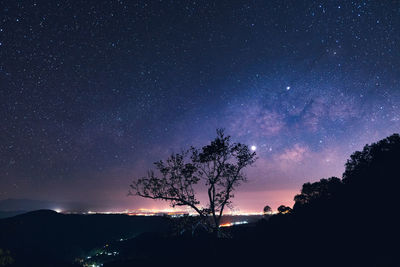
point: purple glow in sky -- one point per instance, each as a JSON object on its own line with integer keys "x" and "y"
{"x": 92, "y": 93}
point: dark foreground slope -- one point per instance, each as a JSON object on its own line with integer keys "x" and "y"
{"x": 352, "y": 221}
{"x": 47, "y": 238}
{"x": 335, "y": 222}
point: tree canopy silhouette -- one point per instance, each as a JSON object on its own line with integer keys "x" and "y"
{"x": 282, "y": 209}
{"x": 357, "y": 214}
{"x": 376, "y": 160}
{"x": 219, "y": 166}
{"x": 372, "y": 175}
{"x": 324, "y": 189}
{"x": 267, "y": 210}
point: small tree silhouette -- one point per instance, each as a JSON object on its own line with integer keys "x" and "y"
{"x": 267, "y": 210}
{"x": 284, "y": 209}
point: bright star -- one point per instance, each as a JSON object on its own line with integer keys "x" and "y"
{"x": 288, "y": 88}
{"x": 253, "y": 148}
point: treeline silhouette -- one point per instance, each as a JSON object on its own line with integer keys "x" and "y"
{"x": 345, "y": 222}
{"x": 351, "y": 221}
{"x": 335, "y": 222}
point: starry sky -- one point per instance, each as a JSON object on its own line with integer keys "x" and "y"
{"x": 93, "y": 92}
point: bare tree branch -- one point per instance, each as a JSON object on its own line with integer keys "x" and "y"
{"x": 218, "y": 164}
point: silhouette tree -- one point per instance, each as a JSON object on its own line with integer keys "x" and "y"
{"x": 376, "y": 160}
{"x": 374, "y": 171}
{"x": 218, "y": 165}
{"x": 267, "y": 210}
{"x": 324, "y": 189}
{"x": 284, "y": 209}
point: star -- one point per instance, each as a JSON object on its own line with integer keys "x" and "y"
{"x": 94, "y": 97}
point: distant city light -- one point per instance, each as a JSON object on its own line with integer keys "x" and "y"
{"x": 158, "y": 212}
{"x": 233, "y": 223}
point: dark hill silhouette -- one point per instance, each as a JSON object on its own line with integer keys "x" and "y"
{"x": 349, "y": 222}
{"x": 7, "y": 214}
{"x": 45, "y": 237}
{"x": 36, "y": 213}
{"x": 12, "y": 204}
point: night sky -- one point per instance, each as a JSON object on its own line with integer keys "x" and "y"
{"x": 93, "y": 92}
